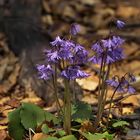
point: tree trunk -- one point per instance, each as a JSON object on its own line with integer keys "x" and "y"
{"x": 21, "y": 22}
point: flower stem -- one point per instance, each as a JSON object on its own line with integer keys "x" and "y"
{"x": 56, "y": 91}
{"x": 67, "y": 108}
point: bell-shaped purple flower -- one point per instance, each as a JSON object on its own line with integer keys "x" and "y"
{"x": 57, "y": 42}
{"x": 75, "y": 28}
{"x": 107, "y": 43}
{"x": 67, "y": 44}
{"x": 80, "y": 57}
{"x": 45, "y": 72}
{"x": 132, "y": 77}
{"x": 65, "y": 54}
{"x": 118, "y": 41}
{"x": 121, "y": 86}
{"x": 77, "y": 48}
{"x": 95, "y": 59}
{"x": 131, "y": 90}
{"x": 53, "y": 56}
{"x": 112, "y": 82}
{"x": 120, "y": 24}
{"x": 73, "y": 72}
{"x": 97, "y": 47}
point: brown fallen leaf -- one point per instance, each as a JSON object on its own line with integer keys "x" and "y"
{"x": 3, "y": 127}
{"x": 3, "y": 134}
{"x": 127, "y": 11}
{"x": 89, "y": 83}
{"x": 39, "y": 136}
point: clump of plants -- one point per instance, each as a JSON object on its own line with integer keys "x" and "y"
{"x": 64, "y": 59}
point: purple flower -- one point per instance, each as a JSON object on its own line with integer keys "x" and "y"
{"x": 107, "y": 43}
{"x": 78, "y": 47}
{"x": 114, "y": 55}
{"x": 80, "y": 57}
{"x": 132, "y": 77}
{"x": 82, "y": 74}
{"x": 108, "y": 50}
{"x": 96, "y": 47}
{"x": 95, "y": 59}
{"x": 75, "y": 28}
{"x": 57, "y": 42}
{"x": 67, "y": 44}
{"x": 53, "y": 56}
{"x": 65, "y": 54}
{"x": 122, "y": 86}
{"x": 120, "y": 24}
{"x": 73, "y": 72}
{"x": 131, "y": 90}
{"x": 112, "y": 82}
{"x": 117, "y": 41}
{"x": 45, "y": 72}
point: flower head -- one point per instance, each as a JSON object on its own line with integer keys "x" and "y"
{"x": 75, "y": 28}
{"x": 65, "y": 54}
{"x": 108, "y": 43}
{"x": 67, "y": 44}
{"x": 120, "y": 24}
{"x": 52, "y": 56}
{"x": 108, "y": 49}
{"x": 57, "y": 42}
{"x": 132, "y": 77}
{"x": 45, "y": 72}
{"x": 118, "y": 41}
{"x": 80, "y": 57}
{"x": 97, "y": 47}
{"x": 73, "y": 72}
{"x": 131, "y": 90}
{"x": 77, "y": 48}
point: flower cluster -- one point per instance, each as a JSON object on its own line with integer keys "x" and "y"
{"x": 68, "y": 54}
{"x": 122, "y": 85}
{"x": 108, "y": 50}
{"x": 73, "y": 72}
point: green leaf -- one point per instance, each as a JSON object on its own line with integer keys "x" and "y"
{"x": 69, "y": 137}
{"x": 52, "y": 138}
{"x": 45, "y": 129}
{"x": 61, "y": 133}
{"x": 98, "y": 136}
{"x": 15, "y": 128}
{"x": 81, "y": 111}
{"x": 90, "y": 136}
{"x": 108, "y": 136}
{"x": 120, "y": 124}
{"x": 33, "y": 116}
{"x": 50, "y": 117}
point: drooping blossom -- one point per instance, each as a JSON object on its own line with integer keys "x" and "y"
{"x": 75, "y": 28}
{"x": 45, "y": 72}
{"x": 52, "y": 56}
{"x": 122, "y": 85}
{"x": 120, "y": 24}
{"x": 73, "y": 72}
{"x": 57, "y": 42}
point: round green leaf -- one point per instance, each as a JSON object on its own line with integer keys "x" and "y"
{"x": 15, "y": 128}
